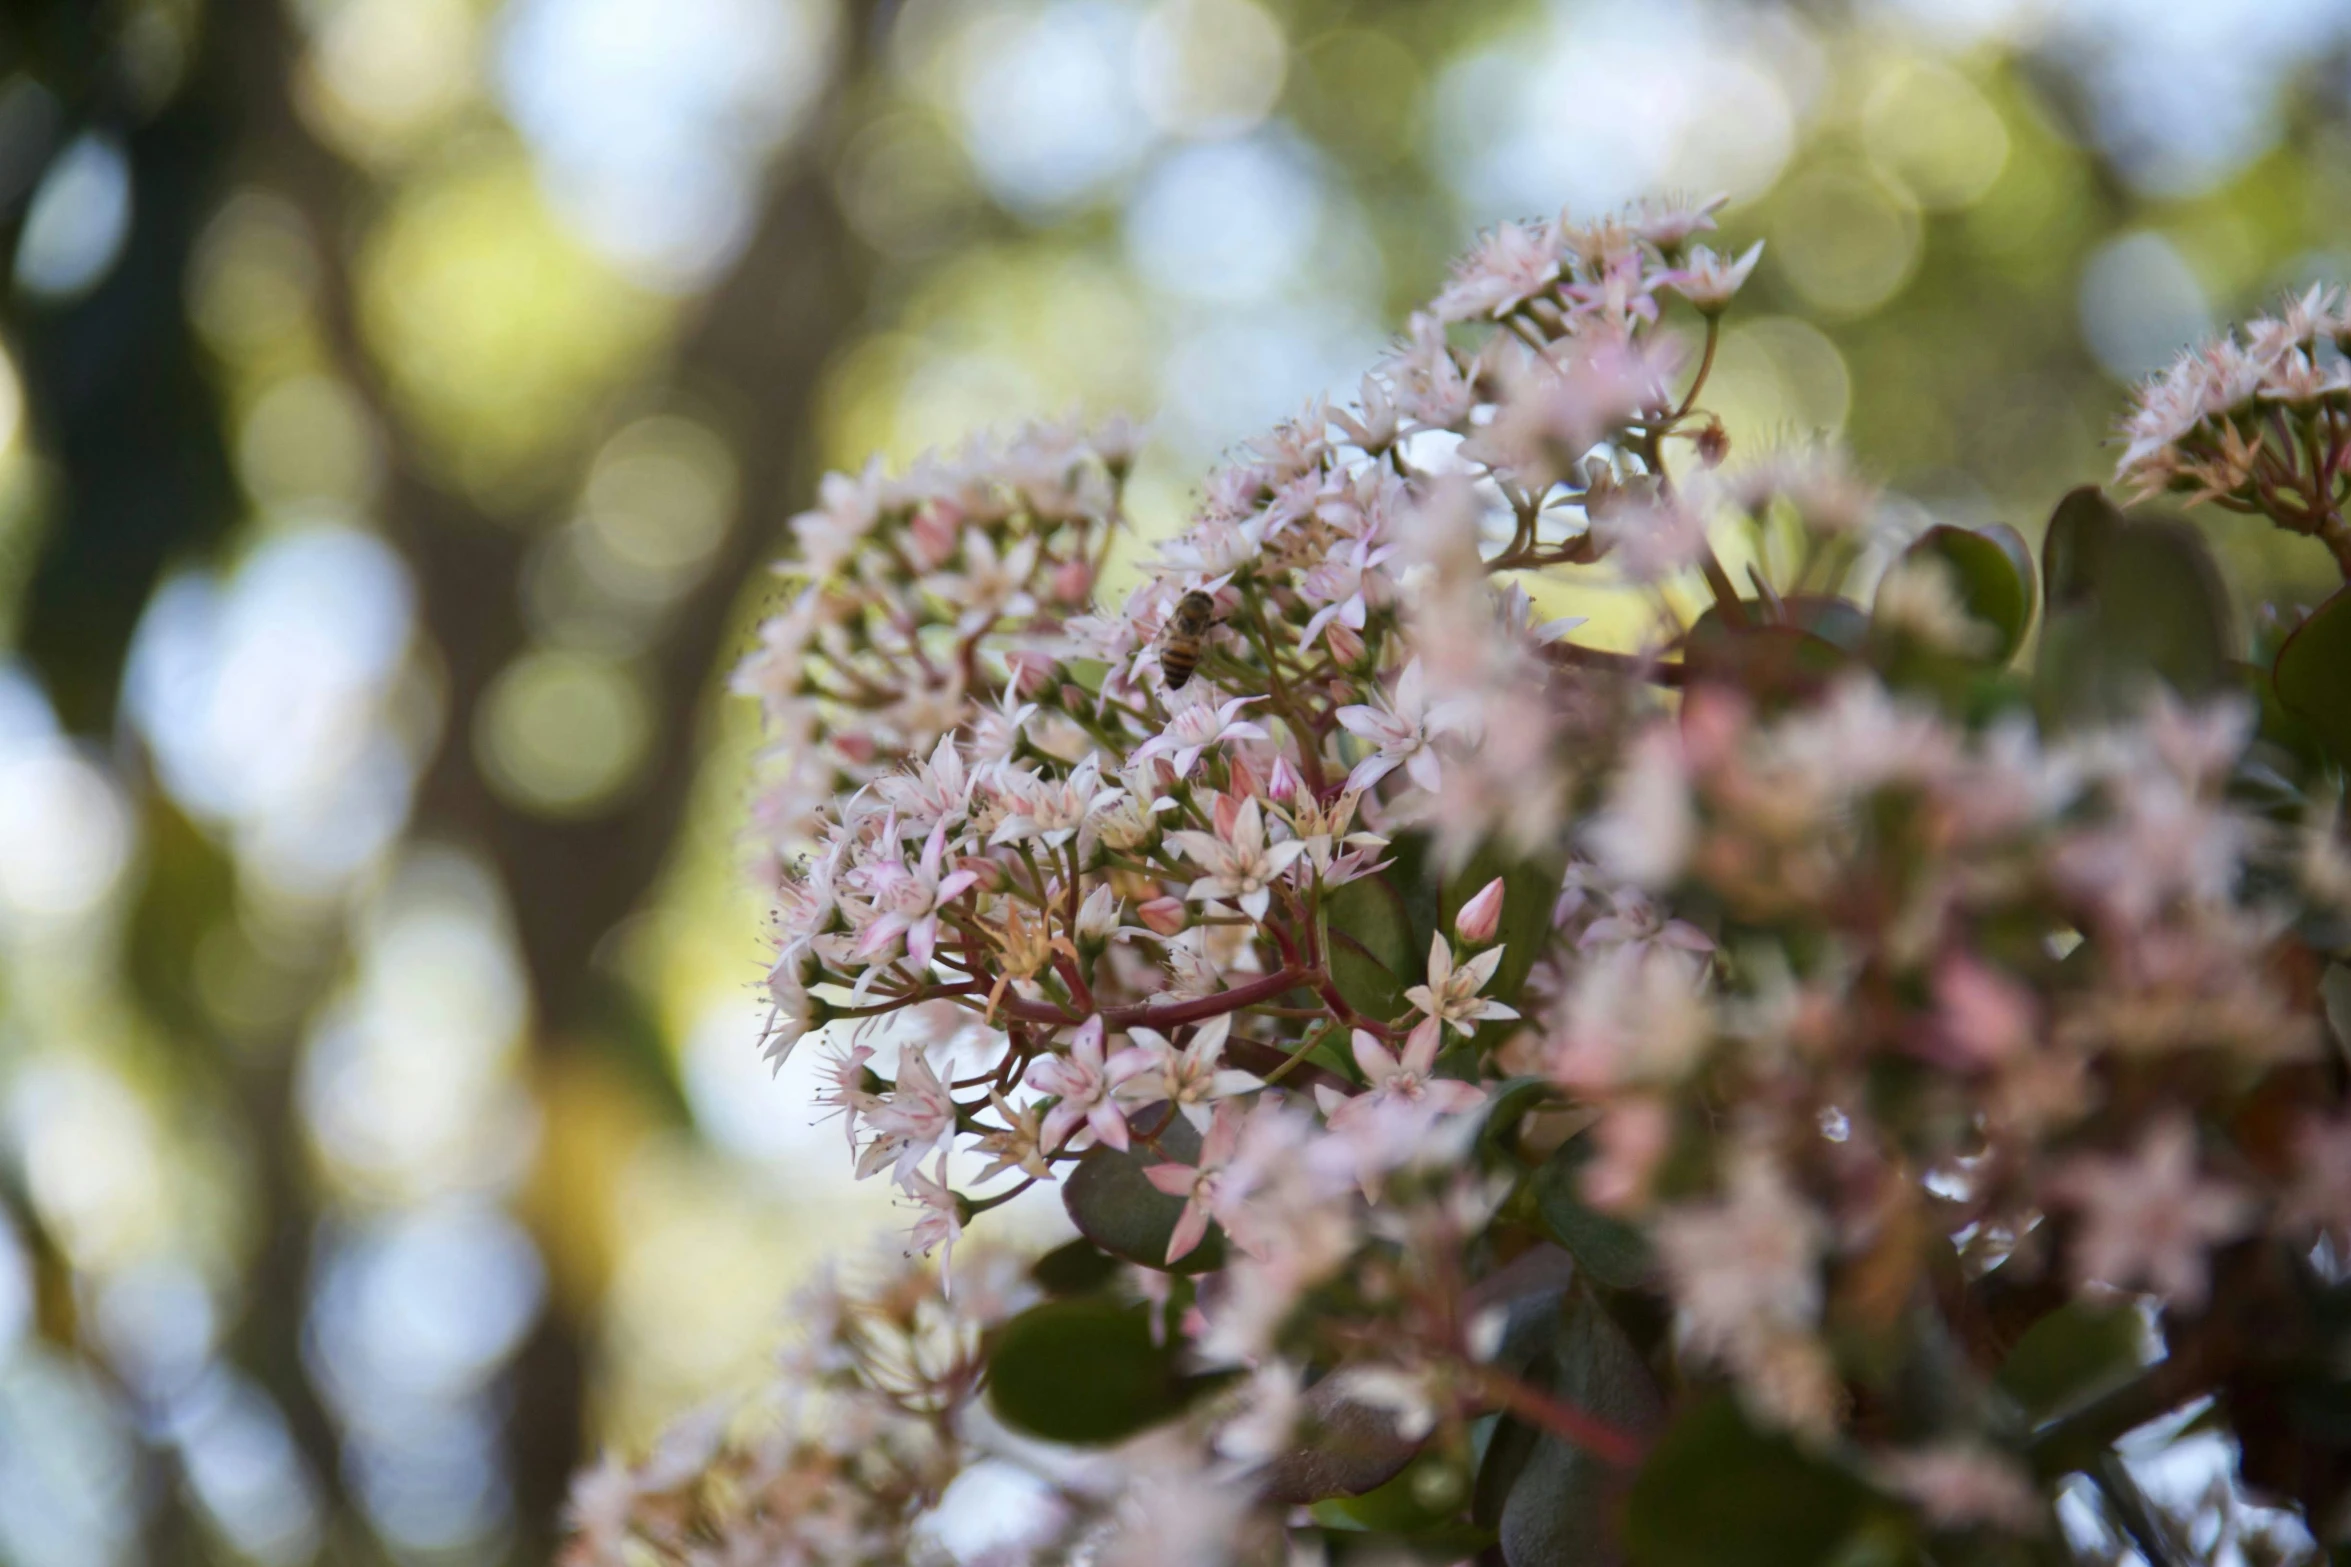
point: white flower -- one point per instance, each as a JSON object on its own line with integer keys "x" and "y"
{"x": 1193, "y": 1078}
{"x": 1402, "y": 733}
{"x": 990, "y": 585}
{"x": 1191, "y": 730}
{"x": 1240, "y": 865}
{"x": 1451, "y": 994}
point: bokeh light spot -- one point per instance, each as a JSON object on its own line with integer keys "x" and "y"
{"x": 1846, "y": 241}
{"x": 79, "y": 217}
{"x": 563, "y": 733}
{"x": 2141, "y": 303}
{"x": 1209, "y": 67}
{"x": 1928, "y": 129}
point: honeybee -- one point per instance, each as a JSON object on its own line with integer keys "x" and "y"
{"x": 1185, "y": 637}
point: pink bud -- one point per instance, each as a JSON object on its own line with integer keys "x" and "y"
{"x": 987, "y": 875}
{"x": 1073, "y": 581}
{"x": 1164, "y": 915}
{"x": 1481, "y": 916}
{"x": 1284, "y": 782}
{"x": 1225, "y": 812}
{"x": 1346, "y": 644}
{"x": 1245, "y": 779}
{"x": 1029, "y": 671}
{"x": 857, "y": 748}
{"x": 931, "y": 537}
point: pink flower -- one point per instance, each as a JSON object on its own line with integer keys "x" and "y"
{"x": 917, "y": 1116}
{"x": 2148, "y": 1219}
{"x": 1634, "y": 921}
{"x": 1744, "y": 1267}
{"x": 1194, "y": 729}
{"x": 1197, "y": 1185}
{"x": 1708, "y": 280}
{"x": 1393, "y": 1080}
{"x": 1985, "y": 1018}
{"x": 909, "y": 900}
{"x": 1084, "y": 1083}
{"x": 1512, "y": 263}
{"x": 1451, "y": 994}
{"x": 941, "y": 1224}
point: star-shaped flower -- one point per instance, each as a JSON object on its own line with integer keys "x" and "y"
{"x": 1451, "y": 995}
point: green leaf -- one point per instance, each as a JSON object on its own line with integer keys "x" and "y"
{"x": 1775, "y": 665}
{"x": 1114, "y": 1207}
{"x": 2313, "y": 674}
{"x": 1716, "y": 1492}
{"x": 2155, "y": 611}
{"x": 2071, "y": 1356}
{"x": 1345, "y": 1449}
{"x": 1085, "y": 1371}
{"x": 1609, "y": 1250}
{"x": 1506, "y": 1105}
{"x": 1075, "y": 1268}
{"x": 1368, "y": 936}
{"x": 2073, "y": 550}
{"x": 1992, "y": 572}
{"x": 1559, "y": 1511}
{"x": 1421, "y": 1505}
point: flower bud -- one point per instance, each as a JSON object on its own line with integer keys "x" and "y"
{"x": 1098, "y": 915}
{"x": 1164, "y": 915}
{"x": 1283, "y": 783}
{"x": 1713, "y": 443}
{"x": 1073, "y": 581}
{"x": 1481, "y": 916}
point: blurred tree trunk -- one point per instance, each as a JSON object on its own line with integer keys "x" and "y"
{"x": 756, "y": 349}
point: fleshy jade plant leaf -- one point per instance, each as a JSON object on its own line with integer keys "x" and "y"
{"x": 1991, "y": 569}
{"x": 1118, "y": 1210}
{"x": 2131, "y": 604}
{"x": 1367, "y": 936}
{"x": 1775, "y": 663}
{"x": 1716, "y": 1492}
{"x": 2313, "y": 674}
{"x": 1086, "y": 1371}
{"x": 1560, "y": 1511}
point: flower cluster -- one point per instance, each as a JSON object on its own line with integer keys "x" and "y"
{"x": 2257, "y": 420}
{"x": 1473, "y": 1060}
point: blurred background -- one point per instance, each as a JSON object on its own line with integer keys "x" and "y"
{"x": 398, "y": 402}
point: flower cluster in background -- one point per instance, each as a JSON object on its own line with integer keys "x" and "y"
{"x": 1503, "y": 1085}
